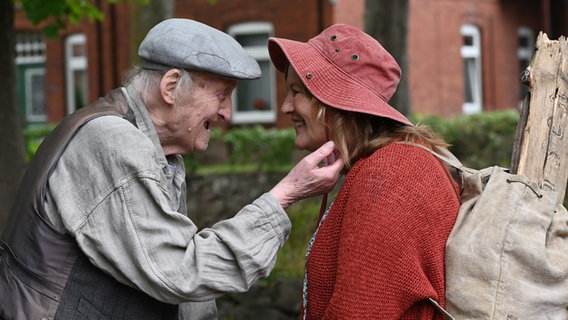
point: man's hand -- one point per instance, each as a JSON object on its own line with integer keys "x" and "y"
{"x": 307, "y": 178}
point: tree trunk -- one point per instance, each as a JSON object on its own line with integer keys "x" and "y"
{"x": 143, "y": 18}
{"x": 386, "y": 21}
{"x": 12, "y": 160}
{"x": 540, "y": 152}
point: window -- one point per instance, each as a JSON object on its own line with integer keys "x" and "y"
{"x": 30, "y": 60}
{"x": 35, "y": 95}
{"x": 254, "y": 101}
{"x": 471, "y": 55}
{"x": 76, "y": 72}
{"x": 524, "y": 54}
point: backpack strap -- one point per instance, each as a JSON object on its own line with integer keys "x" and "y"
{"x": 442, "y": 154}
{"x": 443, "y": 311}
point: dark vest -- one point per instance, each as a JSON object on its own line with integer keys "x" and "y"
{"x": 43, "y": 273}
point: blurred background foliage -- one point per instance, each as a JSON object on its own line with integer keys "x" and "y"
{"x": 478, "y": 140}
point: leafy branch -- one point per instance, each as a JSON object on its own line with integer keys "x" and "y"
{"x": 58, "y": 13}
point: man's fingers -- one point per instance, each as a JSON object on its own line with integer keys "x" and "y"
{"x": 334, "y": 167}
{"x": 321, "y": 153}
{"x": 337, "y": 164}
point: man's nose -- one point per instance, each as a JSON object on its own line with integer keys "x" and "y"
{"x": 226, "y": 110}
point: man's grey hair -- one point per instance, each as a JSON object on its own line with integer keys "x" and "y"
{"x": 144, "y": 80}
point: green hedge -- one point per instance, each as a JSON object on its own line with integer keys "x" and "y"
{"x": 477, "y": 140}
{"x": 249, "y": 148}
{"x": 268, "y": 148}
{"x": 33, "y": 136}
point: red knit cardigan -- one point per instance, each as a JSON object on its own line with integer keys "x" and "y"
{"x": 380, "y": 251}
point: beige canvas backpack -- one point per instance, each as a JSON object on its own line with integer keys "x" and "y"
{"x": 507, "y": 255}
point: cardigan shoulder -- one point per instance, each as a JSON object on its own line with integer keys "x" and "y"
{"x": 401, "y": 162}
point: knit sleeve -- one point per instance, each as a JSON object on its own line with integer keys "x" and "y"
{"x": 397, "y": 217}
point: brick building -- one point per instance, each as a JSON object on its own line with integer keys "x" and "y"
{"x": 464, "y": 56}
{"x": 58, "y": 75}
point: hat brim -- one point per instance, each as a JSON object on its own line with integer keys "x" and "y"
{"x": 327, "y": 82}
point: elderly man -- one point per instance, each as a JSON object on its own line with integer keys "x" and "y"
{"x": 99, "y": 229}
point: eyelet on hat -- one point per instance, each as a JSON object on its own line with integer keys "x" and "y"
{"x": 308, "y": 75}
{"x": 333, "y": 38}
{"x": 355, "y": 57}
{"x": 336, "y": 49}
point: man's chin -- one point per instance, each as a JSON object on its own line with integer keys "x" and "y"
{"x": 202, "y": 147}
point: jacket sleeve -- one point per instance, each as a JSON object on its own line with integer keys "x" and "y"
{"x": 112, "y": 196}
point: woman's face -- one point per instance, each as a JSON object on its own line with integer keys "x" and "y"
{"x": 311, "y": 132}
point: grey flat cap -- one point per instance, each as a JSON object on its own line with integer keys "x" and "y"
{"x": 191, "y": 45}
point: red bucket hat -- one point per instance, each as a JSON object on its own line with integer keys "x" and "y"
{"x": 344, "y": 68}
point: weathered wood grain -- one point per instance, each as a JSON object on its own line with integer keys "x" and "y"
{"x": 542, "y": 148}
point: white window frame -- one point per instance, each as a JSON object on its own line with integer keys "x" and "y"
{"x": 73, "y": 64}
{"x": 525, "y": 53}
{"x": 260, "y": 53}
{"x": 29, "y": 74}
{"x": 30, "y": 55}
{"x": 472, "y": 53}
{"x": 31, "y": 49}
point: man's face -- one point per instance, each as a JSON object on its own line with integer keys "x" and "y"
{"x": 208, "y": 101}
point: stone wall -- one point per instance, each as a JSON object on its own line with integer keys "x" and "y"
{"x": 278, "y": 300}
{"x": 215, "y": 197}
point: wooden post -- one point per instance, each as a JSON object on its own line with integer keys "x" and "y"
{"x": 541, "y": 145}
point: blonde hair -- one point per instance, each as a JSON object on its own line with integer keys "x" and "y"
{"x": 358, "y": 135}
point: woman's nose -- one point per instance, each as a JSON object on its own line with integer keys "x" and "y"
{"x": 288, "y": 104}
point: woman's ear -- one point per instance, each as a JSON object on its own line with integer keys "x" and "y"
{"x": 168, "y": 84}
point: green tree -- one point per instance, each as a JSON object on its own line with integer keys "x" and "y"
{"x": 386, "y": 21}
{"x": 11, "y": 138}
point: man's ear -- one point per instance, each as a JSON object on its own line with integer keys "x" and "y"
{"x": 168, "y": 85}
